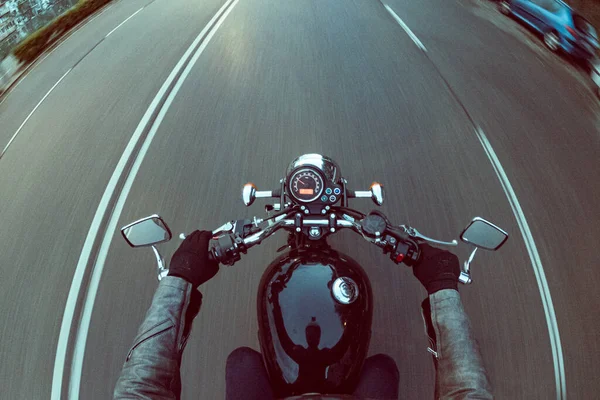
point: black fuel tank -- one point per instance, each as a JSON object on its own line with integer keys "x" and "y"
{"x": 314, "y": 315}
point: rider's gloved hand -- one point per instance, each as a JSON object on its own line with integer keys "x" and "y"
{"x": 437, "y": 269}
{"x": 191, "y": 262}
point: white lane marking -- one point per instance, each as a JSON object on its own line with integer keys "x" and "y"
{"x": 103, "y": 206}
{"x": 538, "y": 269}
{"x": 32, "y": 111}
{"x": 53, "y": 50}
{"x": 84, "y": 325}
{"x": 118, "y": 26}
{"x": 405, "y": 27}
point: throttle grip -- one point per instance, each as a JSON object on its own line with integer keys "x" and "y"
{"x": 399, "y": 233}
{"x": 211, "y": 254}
{"x": 226, "y": 249}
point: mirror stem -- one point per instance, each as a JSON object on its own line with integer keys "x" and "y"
{"x": 465, "y": 276}
{"x": 162, "y": 271}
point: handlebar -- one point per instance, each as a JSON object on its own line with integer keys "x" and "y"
{"x": 236, "y": 237}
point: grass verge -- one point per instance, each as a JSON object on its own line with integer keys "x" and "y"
{"x": 35, "y": 44}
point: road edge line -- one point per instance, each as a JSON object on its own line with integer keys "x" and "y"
{"x": 408, "y": 31}
{"x": 54, "y": 46}
{"x": 538, "y": 269}
{"x": 122, "y": 23}
{"x": 31, "y": 113}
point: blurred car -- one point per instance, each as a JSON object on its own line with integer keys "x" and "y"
{"x": 595, "y": 72}
{"x": 561, "y": 26}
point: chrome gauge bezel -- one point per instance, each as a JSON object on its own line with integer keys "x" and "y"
{"x": 327, "y": 168}
{"x": 312, "y": 171}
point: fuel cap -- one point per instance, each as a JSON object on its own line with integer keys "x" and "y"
{"x": 344, "y": 290}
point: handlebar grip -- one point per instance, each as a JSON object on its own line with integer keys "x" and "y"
{"x": 211, "y": 256}
{"x": 398, "y": 233}
{"x": 224, "y": 250}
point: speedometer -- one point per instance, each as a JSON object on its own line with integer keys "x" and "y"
{"x": 306, "y": 185}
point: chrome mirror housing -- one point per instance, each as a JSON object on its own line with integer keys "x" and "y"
{"x": 483, "y": 234}
{"x": 146, "y": 232}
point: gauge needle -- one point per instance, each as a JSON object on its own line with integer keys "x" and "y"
{"x": 300, "y": 181}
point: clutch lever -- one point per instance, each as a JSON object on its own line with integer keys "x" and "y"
{"x": 412, "y": 232}
{"x": 234, "y": 226}
{"x": 226, "y": 227}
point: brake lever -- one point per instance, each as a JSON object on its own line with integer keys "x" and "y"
{"x": 412, "y": 232}
{"x": 227, "y": 227}
{"x": 233, "y": 226}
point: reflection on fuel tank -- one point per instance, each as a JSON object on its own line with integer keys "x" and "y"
{"x": 312, "y": 361}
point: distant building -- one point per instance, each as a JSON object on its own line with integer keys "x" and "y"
{"x": 10, "y": 33}
{"x": 7, "y": 23}
{"x": 19, "y": 18}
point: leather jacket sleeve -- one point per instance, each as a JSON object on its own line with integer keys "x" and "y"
{"x": 151, "y": 369}
{"x": 460, "y": 373}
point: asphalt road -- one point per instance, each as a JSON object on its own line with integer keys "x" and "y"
{"x": 279, "y": 79}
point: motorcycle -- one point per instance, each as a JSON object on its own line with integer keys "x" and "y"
{"x": 314, "y": 303}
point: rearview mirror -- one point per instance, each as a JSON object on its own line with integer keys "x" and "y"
{"x": 483, "y": 234}
{"x": 146, "y": 232}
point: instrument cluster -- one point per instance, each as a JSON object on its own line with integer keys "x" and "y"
{"x": 307, "y": 185}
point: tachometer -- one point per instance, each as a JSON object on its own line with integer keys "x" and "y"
{"x": 306, "y": 185}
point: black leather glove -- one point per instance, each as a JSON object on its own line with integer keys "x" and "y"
{"x": 191, "y": 262}
{"x": 437, "y": 269}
